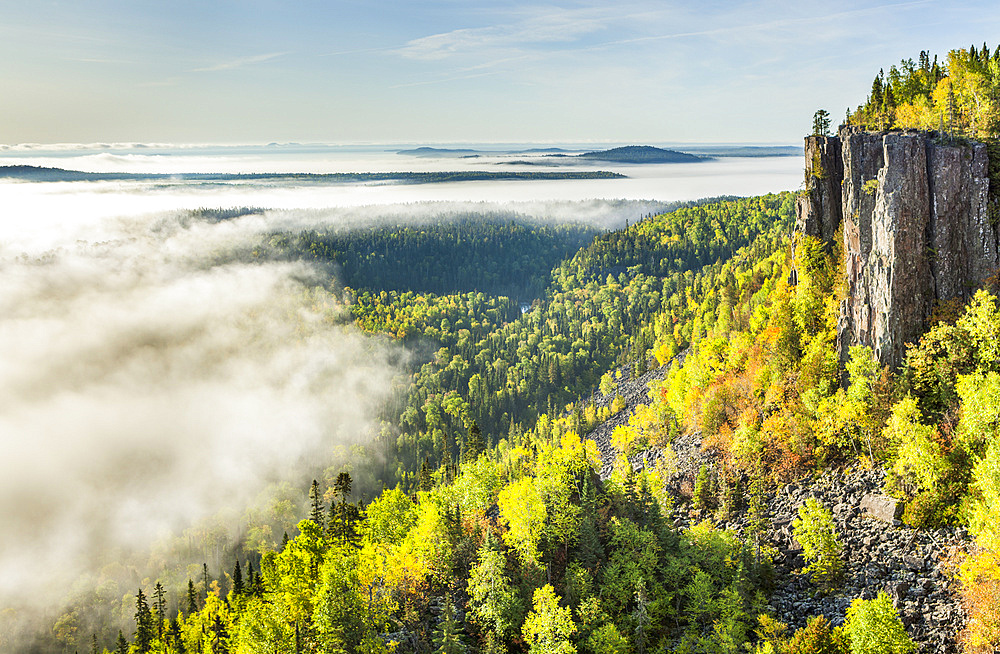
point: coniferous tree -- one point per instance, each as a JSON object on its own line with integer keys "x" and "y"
{"x": 205, "y": 579}
{"x": 474, "y": 444}
{"x": 192, "y": 598}
{"x": 426, "y": 481}
{"x": 251, "y": 579}
{"x": 121, "y": 645}
{"x": 591, "y": 552}
{"x": 160, "y": 595}
{"x": 143, "y": 624}
{"x": 448, "y": 635}
{"x": 174, "y": 635}
{"x": 237, "y": 579}
{"x": 220, "y": 636}
{"x": 343, "y": 514}
{"x": 821, "y": 123}
{"x": 316, "y": 504}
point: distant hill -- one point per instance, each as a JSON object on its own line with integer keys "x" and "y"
{"x": 641, "y": 154}
{"x": 439, "y": 152}
{"x": 40, "y": 174}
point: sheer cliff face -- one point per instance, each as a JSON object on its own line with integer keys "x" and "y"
{"x": 818, "y": 210}
{"x": 915, "y": 230}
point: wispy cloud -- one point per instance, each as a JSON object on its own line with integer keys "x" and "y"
{"x": 239, "y": 63}
{"x": 764, "y": 26}
{"x": 551, "y": 27}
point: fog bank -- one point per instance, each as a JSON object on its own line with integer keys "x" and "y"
{"x": 149, "y": 379}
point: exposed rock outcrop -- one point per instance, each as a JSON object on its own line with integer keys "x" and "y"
{"x": 818, "y": 210}
{"x": 913, "y": 213}
{"x": 963, "y": 241}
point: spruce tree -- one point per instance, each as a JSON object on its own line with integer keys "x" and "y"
{"x": 174, "y": 634}
{"x": 121, "y": 645}
{"x": 160, "y": 595}
{"x": 143, "y": 624}
{"x": 448, "y": 635}
{"x": 316, "y": 504}
{"x": 474, "y": 444}
{"x": 251, "y": 585}
{"x": 192, "y": 598}
{"x": 426, "y": 481}
{"x": 220, "y": 636}
{"x": 821, "y": 123}
{"x": 237, "y": 579}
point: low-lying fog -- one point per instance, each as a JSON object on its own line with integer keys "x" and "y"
{"x": 148, "y": 378}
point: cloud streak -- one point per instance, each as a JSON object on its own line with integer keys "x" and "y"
{"x": 241, "y": 62}
{"x": 545, "y": 28}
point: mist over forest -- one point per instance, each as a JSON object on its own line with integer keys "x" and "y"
{"x": 173, "y": 377}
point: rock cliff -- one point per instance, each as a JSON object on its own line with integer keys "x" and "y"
{"x": 912, "y": 212}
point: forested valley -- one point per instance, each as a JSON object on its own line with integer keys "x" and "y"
{"x": 477, "y": 519}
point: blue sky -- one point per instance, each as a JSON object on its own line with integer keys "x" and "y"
{"x": 255, "y": 71}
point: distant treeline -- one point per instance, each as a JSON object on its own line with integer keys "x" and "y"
{"x": 44, "y": 174}
{"x": 477, "y": 252}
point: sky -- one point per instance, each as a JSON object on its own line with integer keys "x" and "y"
{"x": 453, "y": 71}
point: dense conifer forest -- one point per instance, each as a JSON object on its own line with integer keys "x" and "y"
{"x": 494, "y": 531}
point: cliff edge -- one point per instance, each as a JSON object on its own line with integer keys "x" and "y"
{"x": 912, "y": 210}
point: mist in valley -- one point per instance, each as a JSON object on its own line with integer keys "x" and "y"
{"x": 155, "y": 376}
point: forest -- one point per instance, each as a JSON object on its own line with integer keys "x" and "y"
{"x": 477, "y": 520}
{"x": 959, "y": 96}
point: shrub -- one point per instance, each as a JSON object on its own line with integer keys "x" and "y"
{"x": 821, "y": 548}
{"x": 817, "y": 637}
{"x": 981, "y": 595}
{"x": 874, "y": 627}
{"x": 704, "y": 488}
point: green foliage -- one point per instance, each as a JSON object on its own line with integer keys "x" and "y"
{"x": 606, "y": 639}
{"x": 493, "y": 253}
{"x": 985, "y": 517}
{"x": 920, "y": 462}
{"x": 494, "y": 603}
{"x": 264, "y": 627}
{"x": 704, "y": 488}
{"x": 815, "y": 531}
{"x": 448, "y": 636}
{"x": 523, "y": 510}
{"x": 821, "y": 123}
{"x": 650, "y": 289}
{"x": 874, "y": 627}
{"x": 548, "y": 627}
{"x": 389, "y": 517}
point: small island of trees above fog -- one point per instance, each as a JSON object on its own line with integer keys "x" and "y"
{"x": 642, "y": 154}
{"x": 632, "y": 154}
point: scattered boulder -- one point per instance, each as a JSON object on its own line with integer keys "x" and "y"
{"x": 882, "y": 507}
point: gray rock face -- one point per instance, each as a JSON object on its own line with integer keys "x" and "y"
{"x": 963, "y": 243}
{"x": 886, "y": 211}
{"x": 915, "y": 228}
{"x": 818, "y": 209}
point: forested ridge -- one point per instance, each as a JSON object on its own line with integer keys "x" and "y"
{"x": 494, "y": 530}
